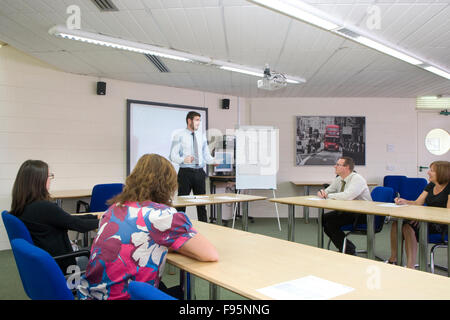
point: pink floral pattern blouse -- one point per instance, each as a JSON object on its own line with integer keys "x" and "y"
{"x": 132, "y": 244}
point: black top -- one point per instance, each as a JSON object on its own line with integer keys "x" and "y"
{"x": 48, "y": 225}
{"x": 437, "y": 200}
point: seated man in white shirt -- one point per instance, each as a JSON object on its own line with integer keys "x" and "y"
{"x": 348, "y": 185}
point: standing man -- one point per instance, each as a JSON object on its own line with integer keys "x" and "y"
{"x": 348, "y": 185}
{"x": 190, "y": 150}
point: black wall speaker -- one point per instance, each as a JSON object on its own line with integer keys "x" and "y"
{"x": 225, "y": 103}
{"x": 101, "y": 88}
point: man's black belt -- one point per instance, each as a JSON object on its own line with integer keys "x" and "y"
{"x": 192, "y": 169}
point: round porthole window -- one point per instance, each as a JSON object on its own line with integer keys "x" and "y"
{"x": 437, "y": 142}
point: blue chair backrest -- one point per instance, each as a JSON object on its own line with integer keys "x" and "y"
{"x": 102, "y": 193}
{"x": 145, "y": 291}
{"x": 39, "y": 272}
{"x": 381, "y": 194}
{"x": 15, "y": 227}
{"x": 393, "y": 182}
{"x": 437, "y": 238}
{"x": 411, "y": 188}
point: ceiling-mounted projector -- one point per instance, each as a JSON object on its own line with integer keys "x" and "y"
{"x": 272, "y": 80}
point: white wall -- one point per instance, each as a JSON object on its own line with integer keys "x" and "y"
{"x": 388, "y": 121}
{"x": 57, "y": 117}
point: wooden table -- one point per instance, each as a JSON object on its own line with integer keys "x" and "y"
{"x": 420, "y": 213}
{"x": 306, "y": 185}
{"x": 248, "y": 262}
{"x": 217, "y": 200}
{"x": 60, "y": 195}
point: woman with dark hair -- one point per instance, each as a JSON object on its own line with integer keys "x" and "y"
{"x": 137, "y": 231}
{"x": 48, "y": 224}
{"x": 435, "y": 194}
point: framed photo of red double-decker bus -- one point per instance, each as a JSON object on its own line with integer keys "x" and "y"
{"x": 322, "y": 140}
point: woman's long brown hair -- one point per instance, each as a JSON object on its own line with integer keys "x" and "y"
{"x": 30, "y": 185}
{"x": 153, "y": 178}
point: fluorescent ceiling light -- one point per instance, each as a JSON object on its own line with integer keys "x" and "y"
{"x": 253, "y": 71}
{"x": 298, "y": 10}
{"x": 302, "y": 11}
{"x": 392, "y": 52}
{"x": 438, "y": 72}
{"x": 244, "y": 71}
{"x": 122, "y": 47}
{"x": 116, "y": 43}
{"x": 293, "y": 81}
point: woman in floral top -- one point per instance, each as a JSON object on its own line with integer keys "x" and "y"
{"x": 136, "y": 232}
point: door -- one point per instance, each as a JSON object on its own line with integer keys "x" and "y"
{"x": 427, "y": 121}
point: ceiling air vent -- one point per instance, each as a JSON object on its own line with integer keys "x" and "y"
{"x": 158, "y": 63}
{"x": 105, "y": 5}
{"x": 347, "y": 33}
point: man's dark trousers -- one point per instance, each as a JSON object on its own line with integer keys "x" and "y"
{"x": 332, "y": 223}
{"x": 192, "y": 179}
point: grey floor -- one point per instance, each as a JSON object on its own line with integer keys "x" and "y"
{"x": 11, "y": 286}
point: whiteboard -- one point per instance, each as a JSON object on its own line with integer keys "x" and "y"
{"x": 151, "y": 126}
{"x": 257, "y": 157}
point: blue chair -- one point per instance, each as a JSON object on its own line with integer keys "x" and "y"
{"x": 379, "y": 194}
{"x": 439, "y": 241}
{"x": 145, "y": 291}
{"x": 101, "y": 193}
{"x": 41, "y": 276}
{"x": 15, "y": 228}
{"x": 393, "y": 181}
{"x": 411, "y": 188}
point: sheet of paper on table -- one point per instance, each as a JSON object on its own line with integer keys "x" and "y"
{"x": 315, "y": 198}
{"x": 306, "y": 288}
{"x": 392, "y": 205}
{"x": 193, "y": 197}
{"x": 201, "y": 200}
{"x": 225, "y": 198}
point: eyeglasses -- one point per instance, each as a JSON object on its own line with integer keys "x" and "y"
{"x": 340, "y": 165}
{"x": 51, "y": 175}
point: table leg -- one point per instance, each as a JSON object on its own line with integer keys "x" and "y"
{"x": 291, "y": 222}
{"x": 370, "y": 236}
{"x": 213, "y": 291}
{"x": 244, "y": 216}
{"x": 219, "y": 214}
{"x": 448, "y": 252}
{"x": 320, "y": 228}
{"x": 399, "y": 242}
{"x": 423, "y": 246}
{"x": 188, "y": 284}
{"x": 212, "y": 207}
{"x": 191, "y": 287}
{"x": 184, "y": 283}
{"x": 305, "y": 208}
{"x": 86, "y": 239}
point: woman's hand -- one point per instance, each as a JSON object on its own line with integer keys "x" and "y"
{"x": 400, "y": 201}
